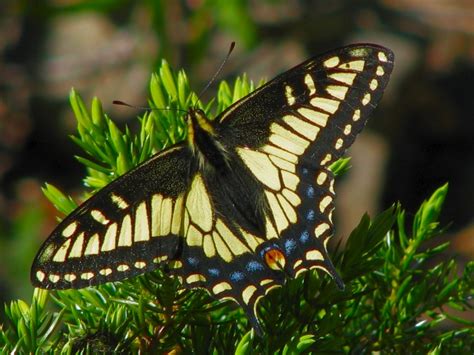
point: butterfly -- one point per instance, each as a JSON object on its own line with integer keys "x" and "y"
{"x": 245, "y": 202}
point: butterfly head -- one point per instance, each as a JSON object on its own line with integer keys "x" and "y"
{"x": 197, "y": 124}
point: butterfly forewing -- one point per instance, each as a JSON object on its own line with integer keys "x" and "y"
{"x": 129, "y": 227}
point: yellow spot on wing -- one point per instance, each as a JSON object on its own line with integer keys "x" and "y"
{"x": 166, "y": 211}
{"x": 99, "y": 217}
{"x": 69, "y": 230}
{"x": 234, "y": 244}
{"x": 105, "y": 272}
{"x": 76, "y": 250}
{"x": 194, "y": 237}
{"x": 337, "y": 91}
{"x": 142, "y": 230}
{"x": 283, "y": 164}
{"x": 326, "y": 159}
{"x": 297, "y": 263}
{"x": 314, "y": 255}
{"x": 317, "y": 117}
{"x": 70, "y": 277}
{"x": 87, "y": 275}
{"x": 270, "y": 229}
{"x": 321, "y": 229}
{"x": 125, "y": 237}
{"x": 252, "y": 241}
{"x": 293, "y": 198}
{"x": 221, "y": 287}
{"x": 248, "y": 292}
{"x": 325, "y": 203}
{"x": 139, "y": 264}
{"x": 356, "y": 115}
{"x": 286, "y": 144}
{"x": 195, "y": 278}
{"x": 331, "y": 62}
{"x": 221, "y": 247}
{"x": 321, "y": 178}
{"x": 119, "y": 201}
{"x": 366, "y": 99}
{"x": 160, "y": 259}
{"x": 382, "y": 57}
{"x": 92, "y": 247}
{"x": 308, "y": 80}
{"x": 347, "y": 129}
{"x": 123, "y": 267}
{"x": 287, "y": 208}
{"x": 290, "y": 99}
{"x": 285, "y": 133}
{"x": 40, "y": 275}
{"x": 327, "y": 105}
{"x": 380, "y": 71}
{"x": 110, "y": 238}
{"x": 284, "y": 154}
{"x": 374, "y": 84}
{"x": 208, "y": 246}
{"x": 156, "y": 202}
{"x": 261, "y": 167}
{"x": 359, "y": 52}
{"x": 302, "y": 127}
{"x": 290, "y": 180}
{"x": 177, "y": 215}
{"x": 278, "y": 214}
{"x": 346, "y": 78}
{"x": 357, "y": 65}
{"x": 198, "y": 204}
{"x": 60, "y": 255}
{"x": 54, "y": 278}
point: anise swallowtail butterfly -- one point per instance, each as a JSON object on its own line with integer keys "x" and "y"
{"x": 246, "y": 201}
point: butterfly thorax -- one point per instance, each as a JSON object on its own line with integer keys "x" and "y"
{"x": 203, "y": 141}
{"x": 227, "y": 181}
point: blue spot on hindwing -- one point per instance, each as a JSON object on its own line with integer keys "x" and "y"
{"x": 290, "y": 245}
{"x": 304, "y": 237}
{"x": 253, "y": 266}
{"x": 193, "y": 261}
{"x": 310, "y": 215}
{"x": 305, "y": 171}
{"x": 237, "y": 276}
{"x": 214, "y": 272}
{"x": 310, "y": 192}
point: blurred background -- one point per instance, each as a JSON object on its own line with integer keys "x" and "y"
{"x": 421, "y": 136}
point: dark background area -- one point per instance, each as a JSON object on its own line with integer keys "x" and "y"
{"x": 421, "y": 136}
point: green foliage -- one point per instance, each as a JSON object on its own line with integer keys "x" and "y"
{"x": 398, "y": 294}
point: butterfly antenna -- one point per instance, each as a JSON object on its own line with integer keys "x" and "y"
{"x": 122, "y": 103}
{"x": 209, "y": 83}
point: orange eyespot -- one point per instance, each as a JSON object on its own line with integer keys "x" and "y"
{"x": 275, "y": 259}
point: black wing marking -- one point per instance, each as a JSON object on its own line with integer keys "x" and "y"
{"x": 127, "y": 228}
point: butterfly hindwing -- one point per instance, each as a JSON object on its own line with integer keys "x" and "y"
{"x": 129, "y": 227}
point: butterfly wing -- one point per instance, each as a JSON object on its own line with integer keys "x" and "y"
{"x": 127, "y": 228}
{"x": 286, "y": 134}
{"x": 325, "y": 100}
